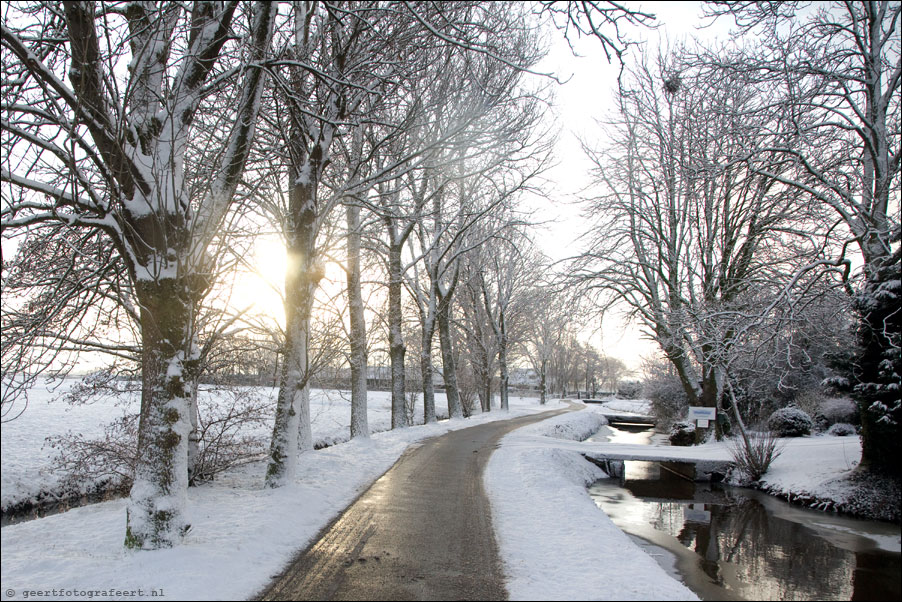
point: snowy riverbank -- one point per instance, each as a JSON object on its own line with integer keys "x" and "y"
{"x": 555, "y": 542}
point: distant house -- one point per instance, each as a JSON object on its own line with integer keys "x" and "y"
{"x": 524, "y": 378}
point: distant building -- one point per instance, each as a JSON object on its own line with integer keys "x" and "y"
{"x": 523, "y": 378}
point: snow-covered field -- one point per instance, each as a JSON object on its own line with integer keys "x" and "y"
{"x": 26, "y": 458}
{"x": 241, "y": 534}
{"x": 26, "y": 455}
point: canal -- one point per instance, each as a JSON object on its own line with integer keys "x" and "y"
{"x": 730, "y": 543}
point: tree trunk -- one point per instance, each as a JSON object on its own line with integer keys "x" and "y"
{"x": 291, "y": 429}
{"x": 156, "y": 511}
{"x": 455, "y": 410}
{"x": 357, "y": 334}
{"x": 192, "y": 378}
{"x": 284, "y": 445}
{"x": 305, "y": 428}
{"x": 426, "y": 371}
{"x": 396, "y": 347}
{"x": 543, "y": 383}
{"x": 484, "y": 372}
{"x": 502, "y": 364}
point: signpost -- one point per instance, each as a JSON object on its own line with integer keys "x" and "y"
{"x": 702, "y": 416}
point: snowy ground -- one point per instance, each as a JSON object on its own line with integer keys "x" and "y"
{"x": 555, "y": 543}
{"x": 241, "y": 534}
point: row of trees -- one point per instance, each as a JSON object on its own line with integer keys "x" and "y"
{"x": 146, "y": 145}
{"x": 743, "y": 186}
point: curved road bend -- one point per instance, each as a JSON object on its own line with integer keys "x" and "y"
{"x": 422, "y": 531}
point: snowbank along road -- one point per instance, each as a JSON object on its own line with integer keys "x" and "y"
{"x": 422, "y": 531}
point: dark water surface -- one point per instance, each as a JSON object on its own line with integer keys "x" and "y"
{"x": 728, "y": 543}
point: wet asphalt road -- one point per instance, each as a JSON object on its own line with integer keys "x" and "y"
{"x": 422, "y": 531}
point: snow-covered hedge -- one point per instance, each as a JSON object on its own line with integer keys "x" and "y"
{"x": 841, "y": 429}
{"x": 790, "y": 422}
{"x": 838, "y": 409}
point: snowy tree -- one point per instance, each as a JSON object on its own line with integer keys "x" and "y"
{"x": 549, "y": 320}
{"x": 331, "y": 78}
{"x": 690, "y": 235}
{"x": 604, "y": 20}
{"x": 502, "y": 273}
{"x": 334, "y": 82}
{"x": 106, "y": 151}
{"x": 835, "y": 77}
{"x": 478, "y": 341}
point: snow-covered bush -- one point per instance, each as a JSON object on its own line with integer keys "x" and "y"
{"x": 629, "y": 389}
{"x": 839, "y": 409}
{"x": 682, "y": 433}
{"x": 790, "y": 422}
{"x": 841, "y": 429}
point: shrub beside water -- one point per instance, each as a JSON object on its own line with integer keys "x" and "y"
{"x": 754, "y": 456}
{"x": 682, "y": 433}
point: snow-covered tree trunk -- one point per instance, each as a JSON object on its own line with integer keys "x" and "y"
{"x": 396, "y": 347}
{"x": 449, "y": 367}
{"x": 292, "y": 430}
{"x": 192, "y": 378}
{"x": 305, "y": 426}
{"x": 155, "y": 517}
{"x": 357, "y": 329}
{"x": 426, "y": 370}
{"x": 284, "y": 444}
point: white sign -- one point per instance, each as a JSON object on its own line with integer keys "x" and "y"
{"x": 702, "y": 413}
{"x": 702, "y": 423}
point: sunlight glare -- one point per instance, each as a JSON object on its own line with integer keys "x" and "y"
{"x": 262, "y": 285}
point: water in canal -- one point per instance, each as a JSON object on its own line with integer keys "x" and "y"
{"x": 728, "y": 543}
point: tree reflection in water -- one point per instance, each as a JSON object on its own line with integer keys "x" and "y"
{"x": 746, "y": 545}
